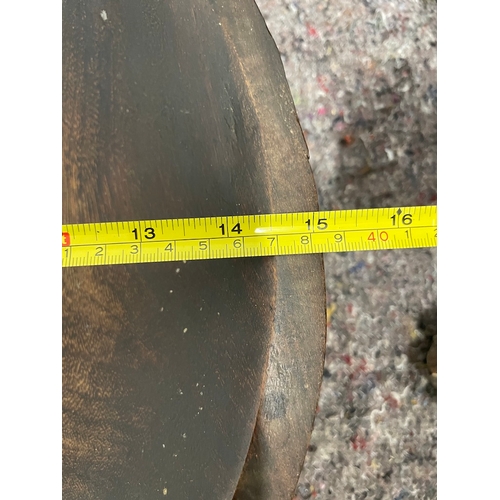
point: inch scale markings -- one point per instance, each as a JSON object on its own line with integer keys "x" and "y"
{"x": 201, "y": 238}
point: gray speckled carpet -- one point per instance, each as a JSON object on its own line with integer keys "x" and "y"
{"x": 363, "y": 77}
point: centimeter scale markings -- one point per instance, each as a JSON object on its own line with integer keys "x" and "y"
{"x": 109, "y": 243}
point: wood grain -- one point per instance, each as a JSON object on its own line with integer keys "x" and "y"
{"x": 181, "y": 109}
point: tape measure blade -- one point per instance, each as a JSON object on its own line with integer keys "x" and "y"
{"x": 163, "y": 240}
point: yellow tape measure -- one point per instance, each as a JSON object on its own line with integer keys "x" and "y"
{"x": 162, "y": 240}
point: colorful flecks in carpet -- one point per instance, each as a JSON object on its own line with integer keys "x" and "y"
{"x": 363, "y": 78}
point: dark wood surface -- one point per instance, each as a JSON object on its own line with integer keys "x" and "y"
{"x": 181, "y": 109}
